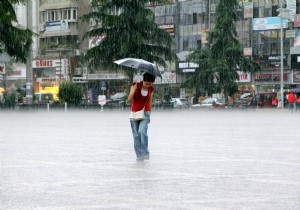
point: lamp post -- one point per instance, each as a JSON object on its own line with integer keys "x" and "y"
{"x": 283, "y": 14}
{"x": 29, "y": 89}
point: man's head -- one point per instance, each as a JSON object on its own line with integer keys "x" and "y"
{"x": 148, "y": 77}
{"x": 148, "y": 80}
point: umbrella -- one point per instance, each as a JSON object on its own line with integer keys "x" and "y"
{"x": 118, "y": 96}
{"x": 295, "y": 90}
{"x": 140, "y": 64}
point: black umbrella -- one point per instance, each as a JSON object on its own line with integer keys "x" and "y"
{"x": 139, "y": 64}
{"x": 295, "y": 90}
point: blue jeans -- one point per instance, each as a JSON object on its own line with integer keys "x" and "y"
{"x": 297, "y": 106}
{"x": 291, "y": 107}
{"x": 140, "y": 136}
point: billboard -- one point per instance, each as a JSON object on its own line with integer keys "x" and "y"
{"x": 268, "y": 23}
{"x": 57, "y": 25}
{"x": 248, "y": 9}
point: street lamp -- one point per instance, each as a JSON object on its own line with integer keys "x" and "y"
{"x": 283, "y": 14}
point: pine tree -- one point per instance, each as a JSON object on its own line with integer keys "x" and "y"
{"x": 14, "y": 41}
{"x": 221, "y": 60}
{"x": 129, "y": 30}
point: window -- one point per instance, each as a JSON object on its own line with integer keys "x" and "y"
{"x": 74, "y": 14}
{"x": 275, "y": 49}
{"x": 268, "y": 12}
{"x": 52, "y": 15}
{"x": 169, "y": 19}
{"x": 185, "y": 43}
{"x": 69, "y": 15}
{"x": 194, "y": 18}
{"x": 274, "y": 12}
{"x": 255, "y": 12}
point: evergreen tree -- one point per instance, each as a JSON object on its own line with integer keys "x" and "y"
{"x": 14, "y": 41}
{"x": 130, "y": 30}
{"x": 223, "y": 57}
{"x": 71, "y": 93}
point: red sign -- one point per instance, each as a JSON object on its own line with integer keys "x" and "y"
{"x": 43, "y": 63}
{"x": 269, "y": 77}
{"x": 297, "y": 20}
{"x": 1, "y": 68}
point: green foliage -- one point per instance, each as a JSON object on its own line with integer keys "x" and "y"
{"x": 14, "y": 41}
{"x": 70, "y": 92}
{"x": 131, "y": 32}
{"x": 223, "y": 57}
{"x": 9, "y": 99}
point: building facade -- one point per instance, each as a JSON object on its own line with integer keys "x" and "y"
{"x": 59, "y": 43}
{"x": 192, "y": 19}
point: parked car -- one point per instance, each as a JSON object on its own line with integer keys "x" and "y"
{"x": 211, "y": 103}
{"x": 220, "y": 103}
{"x": 206, "y": 103}
{"x": 43, "y": 98}
{"x": 179, "y": 102}
{"x": 176, "y": 103}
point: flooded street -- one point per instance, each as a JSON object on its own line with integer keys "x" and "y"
{"x": 198, "y": 160}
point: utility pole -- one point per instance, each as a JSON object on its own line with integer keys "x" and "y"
{"x": 29, "y": 89}
{"x": 283, "y": 14}
{"x": 177, "y": 28}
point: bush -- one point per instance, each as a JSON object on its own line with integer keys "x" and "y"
{"x": 70, "y": 92}
{"x": 9, "y": 99}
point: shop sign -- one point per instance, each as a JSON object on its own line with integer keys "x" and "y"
{"x": 18, "y": 72}
{"x": 248, "y": 51}
{"x": 297, "y": 20}
{"x": 271, "y": 62}
{"x": 168, "y": 28}
{"x": 290, "y": 34}
{"x": 296, "y": 77}
{"x": 46, "y": 79}
{"x": 61, "y": 65}
{"x": 244, "y": 77}
{"x": 248, "y": 9}
{"x": 268, "y": 23}
{"x": 106, "y": 76}
{"x": 57, "y": 25}
{"x": 187, "y": 67}
{"x": 42, "y": 63}
{"x": 269, "y": 77}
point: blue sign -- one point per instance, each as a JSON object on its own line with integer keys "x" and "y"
{"x": 268, "y": 23}
{"x": 103, "y": 85}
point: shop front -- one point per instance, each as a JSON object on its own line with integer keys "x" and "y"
{"x": 106, "y": 84}
{"x": 48, "y": 73}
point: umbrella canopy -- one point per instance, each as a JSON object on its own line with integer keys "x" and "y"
{"x": 295, "y": 90}
{"x": 140, "y": 64}
{"x": 118, "y": 96}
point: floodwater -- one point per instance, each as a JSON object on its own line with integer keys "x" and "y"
{"x": 84, "y": 160}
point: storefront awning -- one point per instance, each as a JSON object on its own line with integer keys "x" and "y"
{"x": 57, "y": 33}
{"x": 183, "y": 54}
{"x": 295, "y": 50}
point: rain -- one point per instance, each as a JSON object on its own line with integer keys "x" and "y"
{"x": 216, "y": 83}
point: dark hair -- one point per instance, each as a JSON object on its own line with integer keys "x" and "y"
{"x": 148, "y": 77}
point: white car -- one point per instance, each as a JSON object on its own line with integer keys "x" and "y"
{"x": 176, "y": 102}
{"x": 206, "y": 103}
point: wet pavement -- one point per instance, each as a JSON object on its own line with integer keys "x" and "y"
{"x": 199, "y": 160}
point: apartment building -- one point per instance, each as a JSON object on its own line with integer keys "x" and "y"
{"x": 60, "y": 44}
{"x": 192, "y": 19}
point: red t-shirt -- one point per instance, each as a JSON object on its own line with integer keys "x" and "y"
{"x": 291, "y": 98}
{"x": 139, "y": 101}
